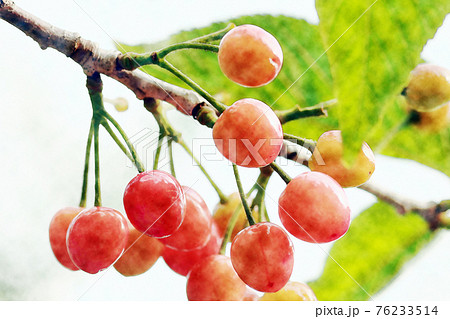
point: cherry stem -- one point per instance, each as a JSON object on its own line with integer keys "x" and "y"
{"x": 251, "y": 221}
{"x": 172, "y": 162}
{"x": 187, "y": 45}
{"x": 158, "y": 149}
{"x": 297, "y": 112}
{"x": 304, "y": 142}
{"x": 197, "y": 88}
{"x": 135, "y": 157}
{"x": 229, "y": 230}
{"x": 86, "y": 165}
{"x": 116, "y": 139}
{"x": 260, "y": 185}
{"x": 284, "y": 176}
{"x": 98, "y": 196}
{"x": 215, "y": 36}
{"x": 131, "y": 61}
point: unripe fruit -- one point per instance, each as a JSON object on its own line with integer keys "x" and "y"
{"x": 428, "y": 88}
{"x": 248, "y": 133}
{"x": 155, "y": 203}
{"x": 293, "y": 291}
{"x": 327, "y": 158}
{"x": 140, "y": 254}
{"x": 250, "y": 56}
{"x": 263, "y": 256}
{"x": 58, "y": 233}
{"x": 96, "y": 238}
{"x": 214, "y": 279}
{"x": 314, "y": 208}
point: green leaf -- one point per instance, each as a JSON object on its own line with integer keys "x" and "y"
{"x": 371, "y": 254}
{"x": 372, "y": 46}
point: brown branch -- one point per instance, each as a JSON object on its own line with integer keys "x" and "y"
{"x": 92, "y": 59}
{"x": 432, "y": 212}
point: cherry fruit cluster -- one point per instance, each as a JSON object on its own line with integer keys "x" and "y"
{"x": 168, "y": 220}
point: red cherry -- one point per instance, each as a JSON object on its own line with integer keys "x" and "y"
{"x": 314, "y": 208}
{"x": 96, "y": 238}
{"x": 214, "y": 279}
{"x": 58, "y": 232}
{"x": 182, "y": 261}
{"x": 155, "y": 203}
{"x": 263, "y": 256}
{"x": 248, "y": 133}
{"x": 195, "y": 230}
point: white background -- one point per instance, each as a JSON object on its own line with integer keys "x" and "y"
{"x": 44, "y": 119}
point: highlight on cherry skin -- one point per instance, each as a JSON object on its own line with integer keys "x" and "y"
{"x": 214, "y": 279}
{"x": 182, "y": 262}
{"x": 155, "y": 203}
{"x": 293, "y": 291}
{"x": 248, "y": 133}
{"x": 327, "y": 158}
{"x": 58, "y": 233}
{"x": 250, "y": 56}
{"x": 141, "y": 253}
{"x": 96, "y": 238}
{"x": 195, "y": 230}
{"x": 263, "y": 256}
{"x": 314, "y": 208}
{"x": 428, "y": 87}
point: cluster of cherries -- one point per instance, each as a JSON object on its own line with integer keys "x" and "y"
{"x": 169, "y": 220}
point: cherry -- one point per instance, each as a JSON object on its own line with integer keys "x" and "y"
{"x": 250, "y": 56}
{"x": 223, "y": 213}
{"x": 155, "y": 203}
{"x": 314, "y": 208}
{"x": 182, "y": 261}
{"x": 195, "y": 230}
{"x": 428, "y": 87}
{"x": 327, "y": 158}
{"x": 96, "y": 238}
{"x": 263, "y": 256}
{"x": 248, "y": 133}
{"x": 293, "y": 291}
{"x": 57, "y": 234}
{"x": 214, "y": 279}
{"x": 140, "y": 254}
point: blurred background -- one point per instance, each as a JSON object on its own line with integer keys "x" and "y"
{"x": 44, "y": 120}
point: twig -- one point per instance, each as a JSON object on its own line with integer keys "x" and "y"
{"x": 93, "y": 59}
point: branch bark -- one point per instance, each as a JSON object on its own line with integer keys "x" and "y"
{"x": 92, "y": 59}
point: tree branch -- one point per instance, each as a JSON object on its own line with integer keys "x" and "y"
{"x": 92, "y": 59}
{"x": 432, "y": 212}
